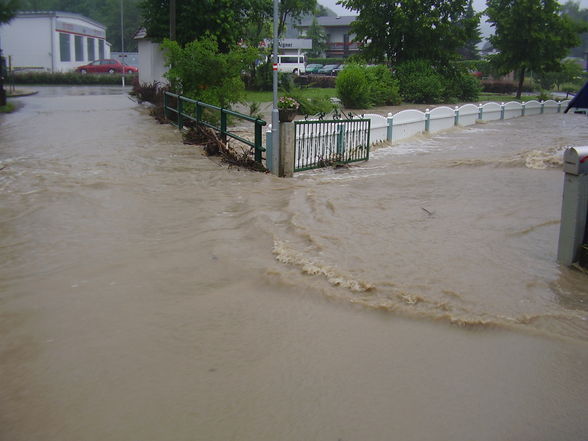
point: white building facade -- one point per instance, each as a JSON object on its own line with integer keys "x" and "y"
{"x": 53, "y": 41}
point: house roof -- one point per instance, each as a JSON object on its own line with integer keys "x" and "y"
{"x": 328, "y": 21}
{"x": 61, "y": 14}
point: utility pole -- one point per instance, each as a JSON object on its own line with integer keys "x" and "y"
{"x": 172, "y": 20}
{"x": 275, "y": 113}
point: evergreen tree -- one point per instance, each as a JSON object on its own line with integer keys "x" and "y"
{"x": 318, "y": 36}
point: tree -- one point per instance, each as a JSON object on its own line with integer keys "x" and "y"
{"x": 530, "y": 35}
{"x": 470, "y": 50}
{"x": 580, "y": 18}
{"x": 570, "y": 72}
{"x": 319, "y": 39}
{"x": 399, "y": 30}
{"x": 294, "y": 9}
{"x": 226, "y": 20}
{"x": 8, "y": 10}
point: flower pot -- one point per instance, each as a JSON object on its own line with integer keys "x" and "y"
{"x": 287, "y": 115}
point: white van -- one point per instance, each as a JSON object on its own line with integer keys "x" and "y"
{"x": 294, "y": 64}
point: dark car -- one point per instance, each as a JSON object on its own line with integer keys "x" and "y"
{"x": 328, "y": 69}
{"x": 106, "y": 66}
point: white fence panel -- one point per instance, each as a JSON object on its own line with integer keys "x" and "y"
{"x": 441, "y": 118}
{"x": 378, "y": 127}
{"x": 565, "y": 104}
{"x": 550, "y": 106}
{"x": 407, "y": 123}
{"x": 513, "y": 109}
{"x": 491, "y": 112}
{"x": 532, "y": 107}
{"x": 468, "y": 115}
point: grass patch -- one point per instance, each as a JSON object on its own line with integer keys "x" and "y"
{"x": 8, "y": 108}
{"x": 311, "y": 92}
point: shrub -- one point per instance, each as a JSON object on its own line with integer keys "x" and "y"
{"x": 68, "y": 78}
{"x": 353, "y": 88}
{"x": 383, "y": 86}
{"x": 419, "y": 82}
{"x": 199, "y": 71}
{"x": 322, "y": 81}
{"x": 459, "y": 84}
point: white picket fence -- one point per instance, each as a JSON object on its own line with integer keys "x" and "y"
{"x": 408, "y": 123}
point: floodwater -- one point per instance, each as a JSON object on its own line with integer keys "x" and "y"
{"x": 147, "y": 293}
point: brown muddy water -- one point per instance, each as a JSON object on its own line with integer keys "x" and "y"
{"x": 147, "y": 293}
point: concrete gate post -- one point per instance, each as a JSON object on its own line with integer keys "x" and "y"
{"x": 287, "y": 140}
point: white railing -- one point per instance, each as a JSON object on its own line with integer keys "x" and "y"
{"x": 408, "y": 123}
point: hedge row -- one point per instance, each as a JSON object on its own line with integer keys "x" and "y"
{"x": 325, "y": 61}
{"x": 71, "y": 78}
{"x": 503, "y": 86}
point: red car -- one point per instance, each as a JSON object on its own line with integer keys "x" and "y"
{"x": 106, "y": 66}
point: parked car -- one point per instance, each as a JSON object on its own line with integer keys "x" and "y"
{"x": 338, "y": 69}
{"x": 328, "y": 69}
{"x": 106, "y": 66}
{"x": 313, "y": 68}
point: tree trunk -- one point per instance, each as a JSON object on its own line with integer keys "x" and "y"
{"x": 521, "y": 81}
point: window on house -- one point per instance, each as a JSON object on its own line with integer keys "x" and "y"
{"x": 91, "y": 51}
{"x": 100, "y": 48}
{"x": 79, "y": 47}
{"x": 64, "y": 47}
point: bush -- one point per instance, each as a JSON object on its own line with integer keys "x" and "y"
{"x": 199, "y": 71}
{"x": 68, "y": 78}
{"x": 322, "y": 81}
{"x": 353, "y": 88}
{"x": 459, "y": 84}
{"x": 361, "y": 86}
{"x": 419, "y": 82}
{"x": 383, "y": 86}
{"x": 507, "y": 87}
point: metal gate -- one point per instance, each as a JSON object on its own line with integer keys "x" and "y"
{"x": 330, "y": 142}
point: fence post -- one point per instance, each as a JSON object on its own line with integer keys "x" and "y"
{"x": 287, "y": 149}
{"x": 390, "y": 127}
{"x": 165, "y": 104}
{"x": 258, "y": 142}
{"x": 180, "y": 110}
{"x": 542, "y": 106}
{"x": 456, "y": 118}
{"x": 223, "y": 127}
{"x": 502, "y": 111}
{"x": 341, "y": 140}
{"x": 198, "y": 112}
{"x": 480, "y": 111}
{"x": 523, "y": 109}
{"x": 559, "y": 107}
{"x": 269, "y": 151}
{"x": 427, "y": 120}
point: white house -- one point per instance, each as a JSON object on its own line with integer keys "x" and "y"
{"x": 151, "y": 60}
{"x": 53, "y": 41}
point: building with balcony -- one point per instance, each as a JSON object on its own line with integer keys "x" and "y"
{"x": 340, "y": 42}
{"x": 52, "y": 41}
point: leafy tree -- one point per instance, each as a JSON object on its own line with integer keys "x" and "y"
{"x": 580, "y": 18}
{"x": 294, "y": 9}
{"x": 470, "y": 49}
{"x": 319, "y": 39}
{"x": 530, "y": 35}
{"x": 570, "y": 72}
{"x": 226, "y": 20}
{"x": 200, "y": 71}
{"x": 399, "y": 30}
{"x": 8, "y": 10}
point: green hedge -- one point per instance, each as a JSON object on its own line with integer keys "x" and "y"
{"x": 71, "y": 78}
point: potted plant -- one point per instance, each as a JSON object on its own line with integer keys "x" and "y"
{"x": 287, "y": 108}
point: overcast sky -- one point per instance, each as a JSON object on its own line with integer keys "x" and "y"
{"x": 478, "y": 4}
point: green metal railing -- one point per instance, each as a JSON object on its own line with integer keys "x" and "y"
{"x": 192, "y": 110}
{"x": 322, "y": 143}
